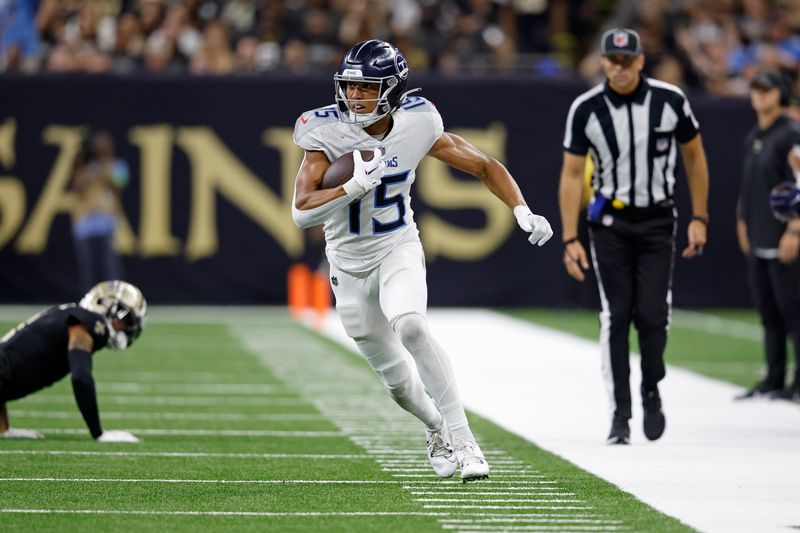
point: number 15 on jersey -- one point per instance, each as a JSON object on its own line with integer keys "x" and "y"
{"x": 381, "y": 201}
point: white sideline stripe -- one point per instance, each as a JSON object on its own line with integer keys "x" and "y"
{"x": 207, "y": 432}
{"x": 127, "y": 415}
{"x": 717, "y": 325}
{"x": 189, "y": 454}
{"x": 224, "y": 513}
{"x": 261, "y": 401}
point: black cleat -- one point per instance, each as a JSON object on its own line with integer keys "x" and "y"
{"x": 792, "y": 393}
{"x": 620, "y": 432}
{"x": 760, "y": 390}
{"x": 654, "y": 421}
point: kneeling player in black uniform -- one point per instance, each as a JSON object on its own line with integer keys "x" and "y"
{"x": 61, "y": 341}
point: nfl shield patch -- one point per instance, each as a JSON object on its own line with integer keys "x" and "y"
{"x": 662, "y": 145}
{"x": 620, "y": 39}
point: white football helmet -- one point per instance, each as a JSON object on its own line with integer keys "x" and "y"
{"x": 122, "y": 306}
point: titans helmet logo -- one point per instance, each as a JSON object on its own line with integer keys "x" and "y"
{"x": 401, "y": 65}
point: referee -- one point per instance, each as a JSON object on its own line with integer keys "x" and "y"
{"x": 629, "y": 125}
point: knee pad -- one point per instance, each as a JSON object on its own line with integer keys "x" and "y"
{"x": 412, "y": 328}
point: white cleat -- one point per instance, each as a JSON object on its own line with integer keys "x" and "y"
{"x": 440, "y": 452}
{"x": 472, "y": 462}
{"x": 14, "y": 433}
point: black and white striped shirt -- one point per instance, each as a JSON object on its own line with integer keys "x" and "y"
{"x": 631, "y": 139}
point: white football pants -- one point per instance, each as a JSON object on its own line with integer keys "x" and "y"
{"x": 393, "y": 298}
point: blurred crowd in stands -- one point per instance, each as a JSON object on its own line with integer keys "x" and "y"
{"x": 713, "y": 45}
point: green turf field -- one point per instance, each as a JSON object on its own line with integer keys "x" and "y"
{"x": 252, "y": 423}
{"x": 723, "y": 344}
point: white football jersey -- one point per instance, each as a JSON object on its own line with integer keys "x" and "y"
{"x": 359, "y": 235}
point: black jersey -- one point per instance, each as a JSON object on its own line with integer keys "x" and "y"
{"x": 34, "y": 354}
{"x": 765, "y": 165}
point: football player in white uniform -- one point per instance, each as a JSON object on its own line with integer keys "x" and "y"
{"x": 377, "y": 262}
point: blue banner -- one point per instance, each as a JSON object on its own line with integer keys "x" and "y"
{"x": 207, "y": 212}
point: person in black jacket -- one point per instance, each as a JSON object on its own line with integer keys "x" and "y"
{"x": 61, "y": 341}
{"x": 771, "y": 245}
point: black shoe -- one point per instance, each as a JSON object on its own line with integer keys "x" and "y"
{"x": 760, "y": 390}
{"x": 791, "y": 394}
{"x": 654, "y": 421}
{"x": 620, "y": 432}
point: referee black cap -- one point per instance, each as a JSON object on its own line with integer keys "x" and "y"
{"x": 621, "y": 41}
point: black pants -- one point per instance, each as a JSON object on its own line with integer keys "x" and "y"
{"x": 776, "y": 293}
{"x": 633, "y": 262}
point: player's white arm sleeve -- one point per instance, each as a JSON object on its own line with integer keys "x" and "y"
{"x": 306, "y": 218}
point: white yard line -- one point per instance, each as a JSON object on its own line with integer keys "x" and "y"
{"x": 137, "y": 387}
{"x": 222, "y": 481}
{"x": 207, "y": 432}
{"x": 105, "y": 399}
{"x": 539, "y": 527}
{"x": 218, "y": 455}
{"x": 389, "y": 434}
{"x": 224, "y": 513}
{"x": 722, "y": 466}
{"x": 163, "y": 415}
{"x": 512, "y": 507}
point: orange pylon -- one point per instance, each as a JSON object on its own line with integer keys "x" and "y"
{"x": 299, "y": 289}
{"x": 320, "y": 297}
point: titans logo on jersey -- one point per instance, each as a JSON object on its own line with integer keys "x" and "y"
{"x": 360, "y": 235}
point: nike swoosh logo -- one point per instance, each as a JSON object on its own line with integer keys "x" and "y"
{"x": 304, "y": 120}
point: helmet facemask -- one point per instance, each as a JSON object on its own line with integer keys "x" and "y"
{"x": 124, "y": 326}
{"x": 123, "y": 309}
{"x": 387, "y": 87}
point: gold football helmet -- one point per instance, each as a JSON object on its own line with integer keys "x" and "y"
{"x": 122, "y": 306}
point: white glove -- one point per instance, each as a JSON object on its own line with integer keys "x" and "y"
{"x": 537, "y": 226}
{"x": 117, "y": 435}
{"x": 366, "y": 174}
{"x": 14, "y": 433}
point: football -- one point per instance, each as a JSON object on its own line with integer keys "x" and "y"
{"x": 341, "y": 170}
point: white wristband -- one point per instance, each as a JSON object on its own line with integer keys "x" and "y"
{"x": 523, "y": 214}
{"x": 353, "y": 189}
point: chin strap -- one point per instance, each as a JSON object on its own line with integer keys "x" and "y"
{"x": 412, "y": 91}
